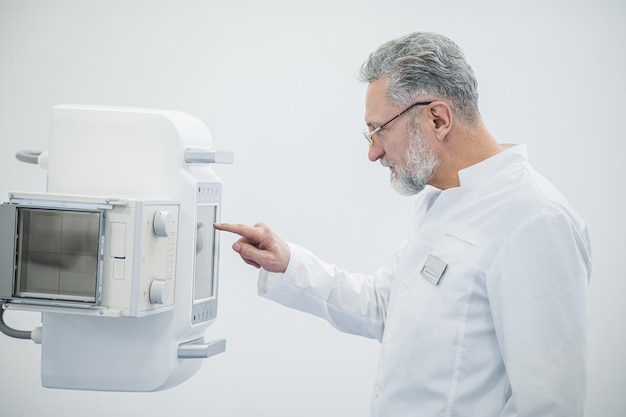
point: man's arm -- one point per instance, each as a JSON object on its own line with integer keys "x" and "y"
{"x": 292, "y": 276}
{"x": 537, "y": 289}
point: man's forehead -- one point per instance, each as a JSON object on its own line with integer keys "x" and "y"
{"x": 377, "y": 105}
{"x": 377, "y": 88}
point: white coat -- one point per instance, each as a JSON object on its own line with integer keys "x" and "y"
{"x": 483, "y": 312}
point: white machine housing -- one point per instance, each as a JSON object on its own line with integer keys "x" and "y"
{"x": 119, "y": 254}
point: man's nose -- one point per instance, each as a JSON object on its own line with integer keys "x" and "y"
{"x": 375, "y": 152}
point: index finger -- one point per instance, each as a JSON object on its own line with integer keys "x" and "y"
{"x": 249, "y": 232}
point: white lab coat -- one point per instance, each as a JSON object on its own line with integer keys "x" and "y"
{"x": 484, "y": 310}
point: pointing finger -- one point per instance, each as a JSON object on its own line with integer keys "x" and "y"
{"x": 250, "y": 233}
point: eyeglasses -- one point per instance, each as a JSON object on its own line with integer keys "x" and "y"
{"x": 368, "y": 134}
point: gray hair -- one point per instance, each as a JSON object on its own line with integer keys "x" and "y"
{"x": 424, "y": 64}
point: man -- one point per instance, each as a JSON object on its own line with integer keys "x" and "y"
{"x": 484, "y": 310}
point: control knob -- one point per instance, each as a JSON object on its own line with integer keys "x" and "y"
{"x": 163, "y": 223}
{"x": 159, "y": 291}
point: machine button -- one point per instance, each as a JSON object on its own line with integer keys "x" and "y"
{"x": 118, "y": 240}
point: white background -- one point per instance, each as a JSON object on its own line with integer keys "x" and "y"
{"x": 275, "y": 82}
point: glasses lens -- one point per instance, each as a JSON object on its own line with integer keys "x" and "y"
{"x": 368, "y": 135}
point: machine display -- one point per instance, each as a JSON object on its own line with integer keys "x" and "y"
{"x": 119, "y": 254}
{"x": 204, "y": 307}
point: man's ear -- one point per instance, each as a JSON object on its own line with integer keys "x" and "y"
{"x": 440, "y": 119}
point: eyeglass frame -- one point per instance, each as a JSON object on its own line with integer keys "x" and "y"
{"x": 368, "y": 135}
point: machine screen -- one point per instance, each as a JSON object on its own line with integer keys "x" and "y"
{"x": 57, "y": 256}
{"x": 205, "y": 245}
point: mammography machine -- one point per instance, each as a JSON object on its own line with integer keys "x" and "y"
{"x": 119, "y": 254}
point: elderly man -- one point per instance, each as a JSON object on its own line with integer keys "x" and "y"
{"x": 483, "y": 312}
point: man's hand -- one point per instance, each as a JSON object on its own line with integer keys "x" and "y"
{"x": 259, "y": 246}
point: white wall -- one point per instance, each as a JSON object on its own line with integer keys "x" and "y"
{"x": 275, "y": 82}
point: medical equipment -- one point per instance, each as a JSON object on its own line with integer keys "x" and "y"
{"x": 119, "y": 254}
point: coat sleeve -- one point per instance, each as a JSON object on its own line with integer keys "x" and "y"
{"x": 537, "y": 288}
{"x": 351, "y": 302}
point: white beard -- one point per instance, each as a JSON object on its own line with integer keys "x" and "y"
{"x": 418, "y": 169}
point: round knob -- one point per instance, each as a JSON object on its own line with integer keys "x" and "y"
{"x": 159, "y": 291}
{"x": 163, "y": 223}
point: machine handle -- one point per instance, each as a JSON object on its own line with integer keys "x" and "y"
{"x": 198, "y": 349}
{"x": 33, "y": 157}
{"x": 207, "y": 156}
